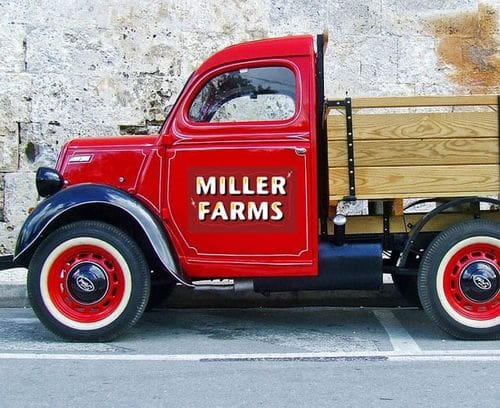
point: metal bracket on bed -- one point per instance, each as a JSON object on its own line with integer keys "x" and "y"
{"x": 347, "y": 103}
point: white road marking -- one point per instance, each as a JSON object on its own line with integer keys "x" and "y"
{"x": 405, "y": 349}
{"x": 401, "y": 340}
{"x": 445, "y": 355}
{"x": 408, "y": 358}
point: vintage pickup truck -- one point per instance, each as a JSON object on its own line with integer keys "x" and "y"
{"x": 244, "y": 181}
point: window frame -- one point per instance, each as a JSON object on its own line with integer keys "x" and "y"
{"x": 235, "y": 93}
{"x": 205, "y": 79}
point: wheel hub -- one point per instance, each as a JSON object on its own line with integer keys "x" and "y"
{"x": 480, "y": 281}
{"x": 87, "y": 283}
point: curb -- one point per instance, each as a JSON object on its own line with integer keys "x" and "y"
{"x": 13, "y": 288}
{"x": 13, "y": 294}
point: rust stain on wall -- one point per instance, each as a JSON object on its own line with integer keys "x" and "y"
{"x": 470, "y": 43}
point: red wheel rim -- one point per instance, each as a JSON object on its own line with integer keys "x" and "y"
{"x": 464, "y": 259}
{"x": 59, "y": 285}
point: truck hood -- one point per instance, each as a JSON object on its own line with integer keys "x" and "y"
{"x": 114, "y": 161}
{"x": 110, "y": 142}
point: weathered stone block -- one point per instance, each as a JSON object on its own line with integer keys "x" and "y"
{"x": 9, "y": 142}
{"x": 72, "y": 99}
{"x": 99, "y": 51}
{"x": 437, "y": 88}
{"x": 358, "y": 63}
{"x": 235, "y": 17}
{"x": 354, "y": 17}
{"x": 8, "y": 234}
{"x": 417, "y": 61}
{"x": 300, "y": 17}
{"x": 12, "y": 55}
{"x": 428, "y": 5}
{"x": 35, "y": 150}
{"x": 97, "y": 105}
{"x": 73, "y": 50}
{"x": 14, "y": 11}
{"x": 20, "y": 194}
{"x": 15, "y": 97}
{"x": 409, "y": 18}
{"x": 64, "y": 13}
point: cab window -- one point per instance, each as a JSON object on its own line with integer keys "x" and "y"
{"x": 251, "y": 94}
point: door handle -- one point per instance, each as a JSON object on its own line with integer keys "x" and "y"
{"x": 300, "y": 150}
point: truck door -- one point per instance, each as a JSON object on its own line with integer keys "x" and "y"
{"x": 240, "y": 192}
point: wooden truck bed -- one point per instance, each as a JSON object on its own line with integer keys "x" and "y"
{"x": 405, "y": 155}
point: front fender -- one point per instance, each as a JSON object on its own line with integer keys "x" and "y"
{"x": 56, "y": 206}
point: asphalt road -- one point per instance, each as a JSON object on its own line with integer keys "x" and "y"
{"x": 300, "y": 357}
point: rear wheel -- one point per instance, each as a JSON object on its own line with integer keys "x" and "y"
{"x": 88, "y": 281}
{"x": 459, "y": 280}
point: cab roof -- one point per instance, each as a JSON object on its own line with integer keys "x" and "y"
{"x": 292, "y": 46}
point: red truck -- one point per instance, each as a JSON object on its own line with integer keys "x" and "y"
{"x": 243, "y": 182}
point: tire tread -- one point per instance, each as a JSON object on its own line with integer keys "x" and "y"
{"x": 430, "y": 304}
{"x": 134, "y": 256}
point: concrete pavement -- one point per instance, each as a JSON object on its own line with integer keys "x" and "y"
{"x": 315, "y": 356}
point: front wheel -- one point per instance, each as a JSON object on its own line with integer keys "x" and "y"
{"x": 459, "y": 280}
{"x": 88, "y": 281}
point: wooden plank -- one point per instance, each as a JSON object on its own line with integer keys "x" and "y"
{"x": 370, "y": 224}
{"x": 416, "y": 181}
{"x": 423, "y": 101}
{"x": 416, "y": 125}
{"x": 444, "y": 194}
{"x": 381, "y": 153}
{"x": 374, "y": 224}
{"x": 398, "y": 207}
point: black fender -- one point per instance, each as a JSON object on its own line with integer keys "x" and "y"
{"x": 50, "y": 211}
{"x": 416, "y": 230}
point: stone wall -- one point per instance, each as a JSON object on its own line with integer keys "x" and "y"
{"x": 72, "y": 68}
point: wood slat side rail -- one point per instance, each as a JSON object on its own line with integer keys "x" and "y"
{"x": 416, "y": 181}
{"x": 417, "y": 152}
{"x": 409, "y": 155}
{"x": 424, "y": 101}
{"x": 443, "y": 194}
{"x": 372, "y": 224}
{"x": 415, "y": 125}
